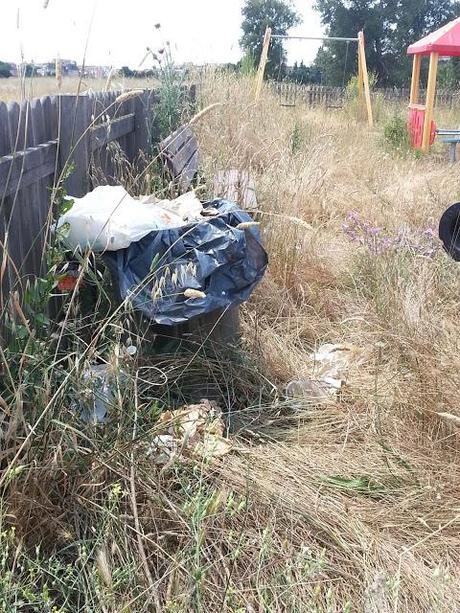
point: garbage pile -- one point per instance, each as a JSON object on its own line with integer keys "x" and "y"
{"x": 172, "y": 259}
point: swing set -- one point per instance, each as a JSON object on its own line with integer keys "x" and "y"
{"x": 363, "y": 77}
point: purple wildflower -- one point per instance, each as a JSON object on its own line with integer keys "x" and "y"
{"x": 417, "y": 241}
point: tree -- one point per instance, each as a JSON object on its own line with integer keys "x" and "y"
{"x": 126, "y": 71}
{"x": 257, "y": 16}
{"x": 5, "y": 70}
{"x": 302, "y": 74}
{"x": 390, "y": 26}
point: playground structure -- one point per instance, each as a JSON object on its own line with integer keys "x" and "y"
{"x": 444, "y": 42}
{"x": 363, "y": 76}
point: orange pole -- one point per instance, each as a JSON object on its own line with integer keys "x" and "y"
{"x": 430, "y": 97}
{"x": 415, "y": 84}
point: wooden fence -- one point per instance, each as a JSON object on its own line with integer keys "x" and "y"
{"x": 38, "y": 139}
{"x": 322, "y": 95}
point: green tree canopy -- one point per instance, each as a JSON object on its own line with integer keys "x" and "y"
{"x": 5, "y": 70}
{"x": 390, "y": 26}
{"x": 257, "y": 16}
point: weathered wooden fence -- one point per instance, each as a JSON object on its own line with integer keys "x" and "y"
{"x": 38, "y": 140}
{"x": 322, "y": 95}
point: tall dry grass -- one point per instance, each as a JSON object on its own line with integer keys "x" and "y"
{"x": 387, "y": 552}
{"x": 348, "y": 506}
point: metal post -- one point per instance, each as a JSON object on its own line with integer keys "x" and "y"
{"x": 323, "y": 38}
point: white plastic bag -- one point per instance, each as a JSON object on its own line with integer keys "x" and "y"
{"x": 108, "y": 218}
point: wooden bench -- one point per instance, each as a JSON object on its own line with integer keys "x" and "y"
{"x": 452, "y": 138}
{"x": 179, "y": 153}
{"x": 180, "y": 156}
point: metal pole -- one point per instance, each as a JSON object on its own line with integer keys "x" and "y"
{"x": 339, "y": 38}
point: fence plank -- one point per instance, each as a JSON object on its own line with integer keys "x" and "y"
{"x": 50, "y": 108}
{"x": 101, "y": 135}
{"x": 141, "y": 111}
{"x": 4, "y": 133}
{"x": 39, "y": 208}
{"x": 16, "y": 143}
{"x": 4, "y": 271}
{"x": 26, "y": 167}
{"x": 75, "y": 119}
{"x": 15, "y": 232}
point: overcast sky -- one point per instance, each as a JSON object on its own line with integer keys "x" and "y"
{"x": 201, "y": 31}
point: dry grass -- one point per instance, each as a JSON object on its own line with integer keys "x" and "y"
{"x": 323, "y": 288}
{"x": 11, "y": 89}
{"x": 349, "y": 506}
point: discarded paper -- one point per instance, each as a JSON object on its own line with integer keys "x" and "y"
{"x": 195, "y": 431}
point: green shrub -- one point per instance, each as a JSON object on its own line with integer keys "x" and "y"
{"x": 248, "y": 65}
{"x": 395, "y": 133}
{"x": 297, "y": 138}
{"x": 355, "y": 107}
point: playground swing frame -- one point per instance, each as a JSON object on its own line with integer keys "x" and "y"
{"x": 363, "y": 76}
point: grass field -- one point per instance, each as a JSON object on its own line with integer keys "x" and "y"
{"x": 15, "y": 89}
{"x": 348, "y": 505}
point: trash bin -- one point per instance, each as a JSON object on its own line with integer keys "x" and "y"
{"x": 187, "y": 269}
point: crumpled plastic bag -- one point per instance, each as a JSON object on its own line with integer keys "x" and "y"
{"x": 109, "y": 219}
{"x": 98, "y": 392}
{"x": 175, "y": 274}
{"x": 329, "y": 366}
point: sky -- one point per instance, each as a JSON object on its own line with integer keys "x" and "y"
{"x": 117, "y": 32}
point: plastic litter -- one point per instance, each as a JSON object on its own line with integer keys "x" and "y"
{"x": 329, "y": 367}
{"x": 221, "y": 262}
{"x": 311, "y": 390}
{"x": 98, "y": 393}
{"x": 195, "y": 431}
{"x": 109, "y": 219}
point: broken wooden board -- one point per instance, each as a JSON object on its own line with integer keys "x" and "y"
{"x": 179, "y": 152}
{"x": 237, "y": 186}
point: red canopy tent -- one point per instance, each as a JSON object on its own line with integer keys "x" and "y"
{"x": 444, "y": 42}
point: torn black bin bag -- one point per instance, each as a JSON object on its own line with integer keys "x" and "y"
{"x": 211, "y": 256}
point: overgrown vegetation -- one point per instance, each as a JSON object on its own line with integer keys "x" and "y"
{"x": 174, "y": 99}
{"x": 347, "y": 505}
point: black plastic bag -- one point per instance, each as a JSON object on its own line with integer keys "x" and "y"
{"x": 212, "y": 256}
{"x": 449, "y": 231}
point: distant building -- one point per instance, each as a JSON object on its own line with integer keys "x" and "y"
{"x": 46, "y": 70}
{"x": 96, "y": 72}
{"x": 69, "y": 68}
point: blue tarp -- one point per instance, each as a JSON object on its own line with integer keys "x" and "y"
{"x": 212, "y": 256}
